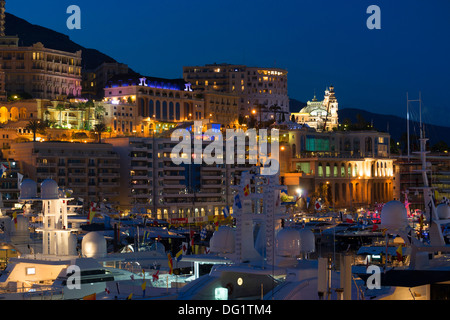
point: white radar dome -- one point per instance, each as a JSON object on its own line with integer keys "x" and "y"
{"x": 307, "y": 241}
{"x": 288, "y": 242}
{"x": 394, "y": 215}
{"x": 443, "y": 211}
{"x": 222, "y": 240}
{"x": 49, "y": 190}
{"x": 28, "y": 189}
{"x": 93, "y": 245}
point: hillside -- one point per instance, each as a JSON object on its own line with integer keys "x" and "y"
{"x": 395, "y": 125}
{"x": 30, "y": 34}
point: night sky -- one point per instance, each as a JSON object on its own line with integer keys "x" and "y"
{"x": 319, "y": 42}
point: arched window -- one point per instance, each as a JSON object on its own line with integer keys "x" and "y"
{"x": 151, "y": 109}
{"x": 158, "y": 109}
{"x": 320, "y": 170}
{"x": 164, "y": 110}
{"x": 171, "y": 111}
{"x": 177, "y": 111}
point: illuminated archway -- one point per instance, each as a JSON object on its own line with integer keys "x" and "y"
{"x": 14, "y": 114}
{"x": 4, "y": 115}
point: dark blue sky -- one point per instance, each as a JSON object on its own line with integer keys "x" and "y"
{"x": 319, "y": 42}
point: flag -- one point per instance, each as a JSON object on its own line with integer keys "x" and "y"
{"x": 399, "y": 253}
{"x": 207, "y": 250}
{"x": 226, "y": 212}
{"x": 90, "y": 297}
{"x": 179, "y": 255}
{"x": 308, "y": 200}
{"x": 107, "y": 290}
{"x": 184, "y": 247}
{"x": 247, "y": 190}
{"x": 91, "y": 212}
{"x": 146, "y": 235}
{"x": 130, "y": 296}
{"x": 19, "y": 179}
{"x": 216, "y": 222}
{"x": 203, "y": 234}
{"x": 318, "y": 206}
{"x": 169, "y": 258}
{"x": 143, "y": 286}
{"x": 3, "y": 169}
{"x": 15, "y": 219}
{"x": 192, "y": 233}
{"x": 155, "y": 276}
{"x": 237, "y": 201}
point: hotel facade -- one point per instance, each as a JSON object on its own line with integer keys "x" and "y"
{"x": 258, "y": 88}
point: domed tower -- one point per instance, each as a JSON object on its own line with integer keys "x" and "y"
{"x": 331, "y": 105}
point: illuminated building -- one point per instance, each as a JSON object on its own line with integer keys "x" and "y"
{"x": 257, "y": 88}
{"x": 91, "y": 170}
{"x": 41, "y": 72}
{"x": 152, "y": 183}
{"x": 318, "y": 114}
{"x": 144, "y": 101}
{"x": 353, "y": 168}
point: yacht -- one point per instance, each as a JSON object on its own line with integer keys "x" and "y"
{"x": 426, "y": 273}
{"x": 53, "y": 268}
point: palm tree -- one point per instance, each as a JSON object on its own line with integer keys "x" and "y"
{"x": 275, "y": 109}
{"x": 99, "y": 111}
{"x": 60, "y": 107}
{"x": 89, "y": 105}
{"x": 99, "y": 129}
{"x": 82, "y": 107}
{"x": 36, "y": 126}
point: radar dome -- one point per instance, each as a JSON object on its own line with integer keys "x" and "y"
{"x": 307, "y": 241}
{"x": 394, "y": 215}
{"x": 443, "y": 211}
{"x": 49, "y": 190}
{"x": 288, "y": 243}
{"x": 158, "y": 246}
{"x": 28, "y": 189}
{"x": 222, "y": 240}
{"x": 93, "y": 245}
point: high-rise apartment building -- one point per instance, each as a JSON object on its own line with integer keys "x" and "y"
{"x": 90, "y": 170}
{"x": 263, "y": 91}
{"x": 150, "y": 181}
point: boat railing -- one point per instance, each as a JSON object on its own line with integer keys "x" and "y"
{"x": 41, "y": 292}
{"x": 359, "y": 290}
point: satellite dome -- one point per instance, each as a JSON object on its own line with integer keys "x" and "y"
{"x": 394, "y": 215}
{"x": 49, "y": 190}
{"x": 307, "y": 241}
{"x": 28, "y": 189}
{"x": 288, "y": 242}
{"x": 443, "y": 211}
{"x": 158, "y": 246}
{"x": 93, "y": 245}
{"x": 222, "y": 240}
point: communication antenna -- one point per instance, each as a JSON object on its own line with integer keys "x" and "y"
{"x": 407, "y": 119}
